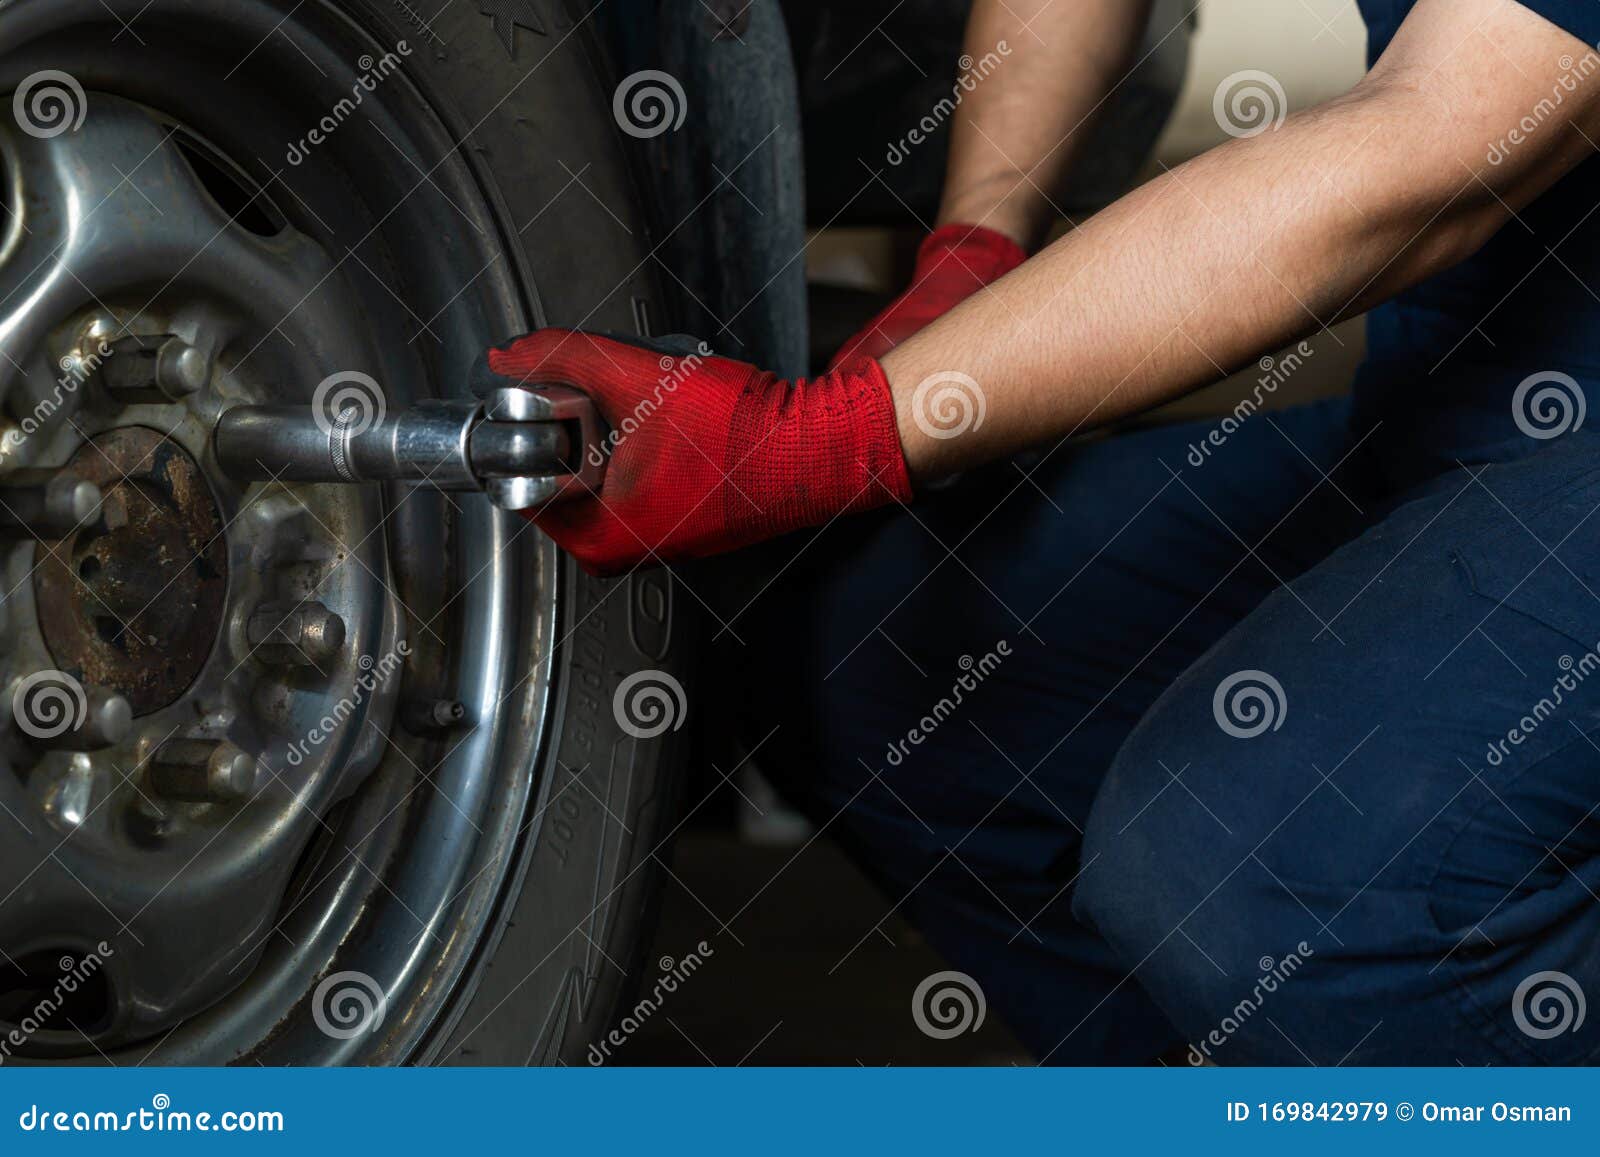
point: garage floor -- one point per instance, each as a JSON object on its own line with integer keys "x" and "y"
{"x": 803, "y": 974}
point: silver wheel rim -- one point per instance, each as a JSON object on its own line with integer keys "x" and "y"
{"x": 336, "y": 914}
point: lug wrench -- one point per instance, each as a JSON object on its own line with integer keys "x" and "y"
{"x": 522, "y": 447}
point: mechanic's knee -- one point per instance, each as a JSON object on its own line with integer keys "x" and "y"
{"x": 1167, "y": 879}
{"x": 1147, "y": 836}
{"x": 1262, "y": 947}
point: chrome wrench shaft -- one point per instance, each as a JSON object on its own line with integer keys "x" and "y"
{"x": 523, "y": 448}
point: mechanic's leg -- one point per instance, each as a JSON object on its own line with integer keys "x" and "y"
{"x": 1414, "y": 819}
{"x": 1089, "y": 586}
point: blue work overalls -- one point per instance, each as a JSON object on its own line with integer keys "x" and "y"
{"x": 1292, "y": 749}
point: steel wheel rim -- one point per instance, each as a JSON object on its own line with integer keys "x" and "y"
{"x": 405, "y": 929}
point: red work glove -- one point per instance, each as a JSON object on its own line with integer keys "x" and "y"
{"x": 953, "y": 263}
{"x": 706, "y": 454}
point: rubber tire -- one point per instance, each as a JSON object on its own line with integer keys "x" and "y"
{"x": 579, "y": 904}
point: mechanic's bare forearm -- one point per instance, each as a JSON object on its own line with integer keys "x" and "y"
{"x": 1235, "y": 253}
{"x": 1243, "y": 250}
{"x": 1018, "y": 130}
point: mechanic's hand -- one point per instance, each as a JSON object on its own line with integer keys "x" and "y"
{"x": 707, "y": 454}
{"x": 953, "y": 263}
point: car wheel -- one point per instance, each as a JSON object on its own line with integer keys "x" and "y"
{"x": 303, "y": 773}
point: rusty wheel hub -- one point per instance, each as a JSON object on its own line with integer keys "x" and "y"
{"x": 153, "y": 571}
{"x": 171, "y": 642}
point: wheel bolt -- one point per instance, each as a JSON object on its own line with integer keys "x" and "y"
{"x": 57, "y": 713}
{"x": 155, "y": 368}
{"x": 203, "y": 771}
{"x": 307, "y": 635}
{"x": 113, "y": 512}
{"x": 46, "y": 503}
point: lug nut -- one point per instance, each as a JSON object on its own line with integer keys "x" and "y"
{"x": 181, "y": 369}
{"x": 46, "y": 503}
{"x": 433, "y": 716}
{"x": 58, "y": 713}
{"x": 203, "y": 771}
{"x": 154, "y": 369}
{"x": 305, "y": 635}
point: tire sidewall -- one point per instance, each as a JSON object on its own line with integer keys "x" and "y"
{"x": 534, "y": 119}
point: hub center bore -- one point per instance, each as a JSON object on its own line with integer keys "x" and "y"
{"x": 133, "y": 601}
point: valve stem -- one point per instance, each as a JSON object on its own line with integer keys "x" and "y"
{"x": 426, "y": 717}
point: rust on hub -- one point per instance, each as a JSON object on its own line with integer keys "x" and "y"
{"x": 133, "y": 601}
